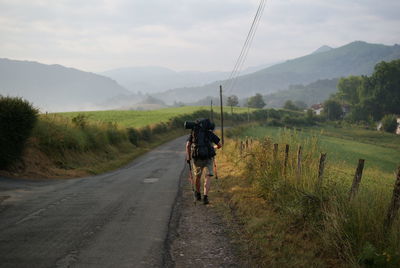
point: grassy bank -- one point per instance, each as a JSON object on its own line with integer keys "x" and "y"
{"x": 285, "y": 219}
{"x": 64, "y": 147}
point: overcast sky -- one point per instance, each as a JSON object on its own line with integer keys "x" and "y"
{"x": 97, "y": 35}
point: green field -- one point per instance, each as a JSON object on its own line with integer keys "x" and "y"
{"x": 143, "y": 118}
{"x": 380, "y": 150}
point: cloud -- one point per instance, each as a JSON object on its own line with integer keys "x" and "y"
{"x": 96, "y": 35}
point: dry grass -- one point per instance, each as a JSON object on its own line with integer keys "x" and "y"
{"x": 283, "y": 220}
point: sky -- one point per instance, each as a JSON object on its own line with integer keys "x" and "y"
{"x": 203, "y": 35}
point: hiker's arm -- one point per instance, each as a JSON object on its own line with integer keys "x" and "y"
{"x": 188, "y": 151}
{"x": 216, "y": 140}
{"x": 218, "y": 146}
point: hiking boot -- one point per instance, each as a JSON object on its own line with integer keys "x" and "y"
{"x": 205, "y": 200}
{"x": 197, "y": 195}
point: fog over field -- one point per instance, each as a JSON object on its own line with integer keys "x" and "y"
{"x": 155, "y": 46}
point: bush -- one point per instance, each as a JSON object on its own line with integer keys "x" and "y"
{"x": 17, "y": 119}
{"x": 133, "y": 136}
{"x": 389, "y": 123}
{"x": 80, "y": 120}
{"x": 145, "y": 133}
{"x": 114, "y": 135}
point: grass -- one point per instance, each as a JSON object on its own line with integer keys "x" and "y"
{"x": 139, "y": 119}
{"x": 283, "y": 219}
{"x": 380, "y": 150}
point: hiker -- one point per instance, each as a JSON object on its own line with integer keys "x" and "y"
{"x": 199, "y": 148}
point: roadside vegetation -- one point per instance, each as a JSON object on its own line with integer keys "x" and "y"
{"x": 289, "y": 219}
{"x": 84, "y": 143}
{"x": 17, "y": 119}
{"x": 60, "y": 146}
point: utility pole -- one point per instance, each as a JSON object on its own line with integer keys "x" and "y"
{"x": 222, "y": 115}
{"x": 248, "y": 113}
{"x": 212, "y": 114}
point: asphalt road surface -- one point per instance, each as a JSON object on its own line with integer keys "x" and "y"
{"x": 118, "y": 219}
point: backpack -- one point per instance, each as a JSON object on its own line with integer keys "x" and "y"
{"x": 201, "y": 145}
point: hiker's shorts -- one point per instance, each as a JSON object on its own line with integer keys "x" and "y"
{"x": 200, "y": 164}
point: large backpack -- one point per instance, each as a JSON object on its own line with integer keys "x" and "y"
{"x": 201, "y": 145}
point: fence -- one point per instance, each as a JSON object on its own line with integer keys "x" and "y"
{"x": 245, "y": 147}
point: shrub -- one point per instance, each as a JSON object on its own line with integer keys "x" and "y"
{"x": 389, "y": 123}
{"x": 145, "y": 133}
{"x": 115, "y": 136}
{"x": 160, "y": 128}
{"x": 80, "y": 120}
{"x": 133, "y": 136}
{"x": 17, "y": 119}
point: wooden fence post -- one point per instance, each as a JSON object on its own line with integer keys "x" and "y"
{"x": 357, "y": 179}
{"x": 275, "y": 151}
{"x": 299, "y": 152}
{"x": 286, "y": 158}
{"x": 394, "y": 204}
{"x": 321, "y": 167}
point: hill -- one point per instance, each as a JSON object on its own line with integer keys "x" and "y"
{"x": 322, "y": 49}
{"x": 152, "y": 79}
{"x": 55, "y": 87}
{"x": 315, "y": 92}
{"x": 356, "y": 58}
{"x": 157, "y": 79}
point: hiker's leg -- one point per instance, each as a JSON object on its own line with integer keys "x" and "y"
{"x": 198, "y": 182}
{"x": 210, "y": 174}
{"x": 198, "y": 170}
{"x": 207, "y": 184}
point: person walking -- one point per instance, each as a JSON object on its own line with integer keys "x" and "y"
{"x": 200, "y": 152}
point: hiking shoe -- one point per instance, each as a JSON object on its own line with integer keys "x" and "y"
{"x": 205, "y": 200}
{"x": 197, "y": 195}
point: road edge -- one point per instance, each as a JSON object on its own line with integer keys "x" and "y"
{"x": 173, "y": 222}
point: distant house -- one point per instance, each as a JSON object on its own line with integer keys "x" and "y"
{"x": 317, "y": 108}
{"x": 398, "y": 126}
{"x": 379, "y": 127}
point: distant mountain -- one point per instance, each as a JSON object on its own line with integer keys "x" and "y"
{"x": 310, "y": 94}
{"x": 322, "y": 49}
{"x": 356, "y": 58}
{"x": 55, "y": 87}
{"x": 253, "y": 69}
{"x": 158, "y": 79}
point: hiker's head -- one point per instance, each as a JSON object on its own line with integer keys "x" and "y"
{"x": 204, "y": 124}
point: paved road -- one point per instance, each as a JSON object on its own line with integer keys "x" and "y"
{"x": 118, "y": 219}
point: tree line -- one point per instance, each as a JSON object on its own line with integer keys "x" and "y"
{"x": 370, "y": 98}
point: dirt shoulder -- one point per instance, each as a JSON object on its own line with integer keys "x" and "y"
{"x": 198, "y": 236}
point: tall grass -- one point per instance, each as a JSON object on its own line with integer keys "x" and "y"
{"x": 56, "y": 134}
{"x": 351, "y": 230}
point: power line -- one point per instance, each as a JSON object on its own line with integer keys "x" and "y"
{"x": 245, "y": 49}
{"x": 242, "y": 52}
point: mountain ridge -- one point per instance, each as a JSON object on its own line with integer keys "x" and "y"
{"x": 55, "y": 87}
{"x": 355, "y": 58}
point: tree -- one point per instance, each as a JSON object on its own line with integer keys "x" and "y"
{"x": 256, "y": 101}
{"x": 389, "y": 123}
{"x": 332, "y": 109}
{"x": 301, "y": 105}
{"x": 381, "y": 90}
{"x": 349, "y": 89}
{"x": 289, "y": 105}
{"x": 232, "y": 101}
